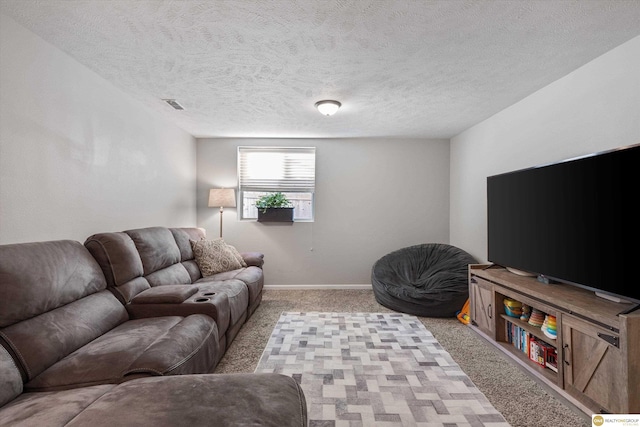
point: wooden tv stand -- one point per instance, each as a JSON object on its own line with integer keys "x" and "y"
{"x": 597, "y": 344}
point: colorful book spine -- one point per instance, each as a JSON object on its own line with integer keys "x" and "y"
{"x": 517, "y": 337}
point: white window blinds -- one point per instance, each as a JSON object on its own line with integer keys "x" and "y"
{"x": 286, "y": 169}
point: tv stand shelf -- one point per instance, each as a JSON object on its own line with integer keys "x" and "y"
{"x": 535, "y": 331}
{"x": 597, "y": 343}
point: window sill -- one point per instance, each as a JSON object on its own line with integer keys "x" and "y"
{"x": 295, "y": 220}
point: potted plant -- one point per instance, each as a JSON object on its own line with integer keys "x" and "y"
{"x": 274, "y": 207}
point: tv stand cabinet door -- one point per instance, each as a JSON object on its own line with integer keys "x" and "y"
{"x": 482, "y": 305}
{"x": 594, "y": 367}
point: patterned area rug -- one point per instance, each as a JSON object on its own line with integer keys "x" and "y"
{"x": 374, "y": 369}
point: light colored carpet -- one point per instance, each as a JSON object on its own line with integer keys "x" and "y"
{"x": 521, "y": 400}
{"x": 365, "y": 369}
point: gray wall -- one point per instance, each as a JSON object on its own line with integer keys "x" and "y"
{"x": 372, "y": 196}
{"x": 78, "y": 155}
{"x": 595, "y": 108}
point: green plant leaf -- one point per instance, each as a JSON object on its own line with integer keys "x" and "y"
{"x": 273, "y": 200}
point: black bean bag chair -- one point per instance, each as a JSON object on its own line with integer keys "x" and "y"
{"x": 428, "y": 280}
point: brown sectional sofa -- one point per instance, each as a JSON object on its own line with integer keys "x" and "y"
{"x": 75, "y": 348}
{"x": 153, "y": 272}
{"x": 65, "y": 329}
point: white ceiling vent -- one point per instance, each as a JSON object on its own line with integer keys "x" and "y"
{"x": 174, "y": 104}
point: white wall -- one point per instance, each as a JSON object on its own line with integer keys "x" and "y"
{"x": 595, "y": 108}
{"x": 372, "y": 196}
{"x": 78, "y": 155}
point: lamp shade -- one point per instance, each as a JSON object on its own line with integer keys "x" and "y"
{"x": 328, "y": 107}
{"x": 222, "y": 197}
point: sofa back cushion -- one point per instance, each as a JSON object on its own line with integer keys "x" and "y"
{"x": 39, "y": 277}
{"x": 156, "y": 246}
{"x": 135, "y": 260}
{"x": 183, "y": 237}
{"x": 44, "y": 340}
{"x": 120, "y": 262}
{"x": 117, "y": 256}
{"x": 53, "y": 302}
{"x": 10, "y": 379}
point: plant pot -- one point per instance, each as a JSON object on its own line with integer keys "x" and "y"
{"x": 275, "y": 215}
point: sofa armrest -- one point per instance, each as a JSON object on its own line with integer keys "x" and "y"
{"x": 253, "y": 258}
{"x": 168, "y": 294}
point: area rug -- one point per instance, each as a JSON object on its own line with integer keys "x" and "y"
{"x": 374, "y": 369}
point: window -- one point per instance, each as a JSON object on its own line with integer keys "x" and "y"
{"x": 290, "y": 170}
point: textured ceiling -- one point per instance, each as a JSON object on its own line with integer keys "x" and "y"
{"x": 255, "y": 68}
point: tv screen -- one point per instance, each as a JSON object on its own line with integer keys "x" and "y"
{"x": 574, "y": 221}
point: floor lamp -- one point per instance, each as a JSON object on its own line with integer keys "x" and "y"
{"x": 223, "y": 197}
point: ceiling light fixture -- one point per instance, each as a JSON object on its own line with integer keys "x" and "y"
{"x": 328, "y": 107}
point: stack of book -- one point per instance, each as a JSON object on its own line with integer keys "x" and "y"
{"x": 536, "y": 350}
{"x": 543, "y": 354}
{"x": 518, "y": 337}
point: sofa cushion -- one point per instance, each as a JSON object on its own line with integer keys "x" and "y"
{"x": 153, "y": 346}
{"x": 183, "y": 237}
{"x": 221, "y": 399}
{"x": 156, "y": 246}
{"x": 117, "y": 256}
{"x": 235, "y": 290}
{"x": 126, "y": 292}
{"x": 172, "y": 275}
{"x": 251, "y": 276}
{"x": 43, "y": 340}
{"x": 267, "y": 400}
{"x": 192, "y": 268}
{"x": 39, "y": 277}
{"x": 191, "y": 346}
{"x": 214, "y": 256}
{"x": 54, "y": 408}
{"x": 120, "y": 262}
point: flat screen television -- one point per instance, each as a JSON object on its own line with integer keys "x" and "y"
{"x": 574, "y": 222}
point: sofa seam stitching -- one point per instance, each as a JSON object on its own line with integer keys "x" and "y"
{"x": 196, "y": 350}
{"x": 113, "y": 273}
{"x": 300, "y": 393}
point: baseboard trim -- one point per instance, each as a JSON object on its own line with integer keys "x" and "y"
{"x": 320, "y": 286}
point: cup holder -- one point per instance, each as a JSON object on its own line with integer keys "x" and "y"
{"x": 208, "y": 294}
{"x": 201, "y": 299}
